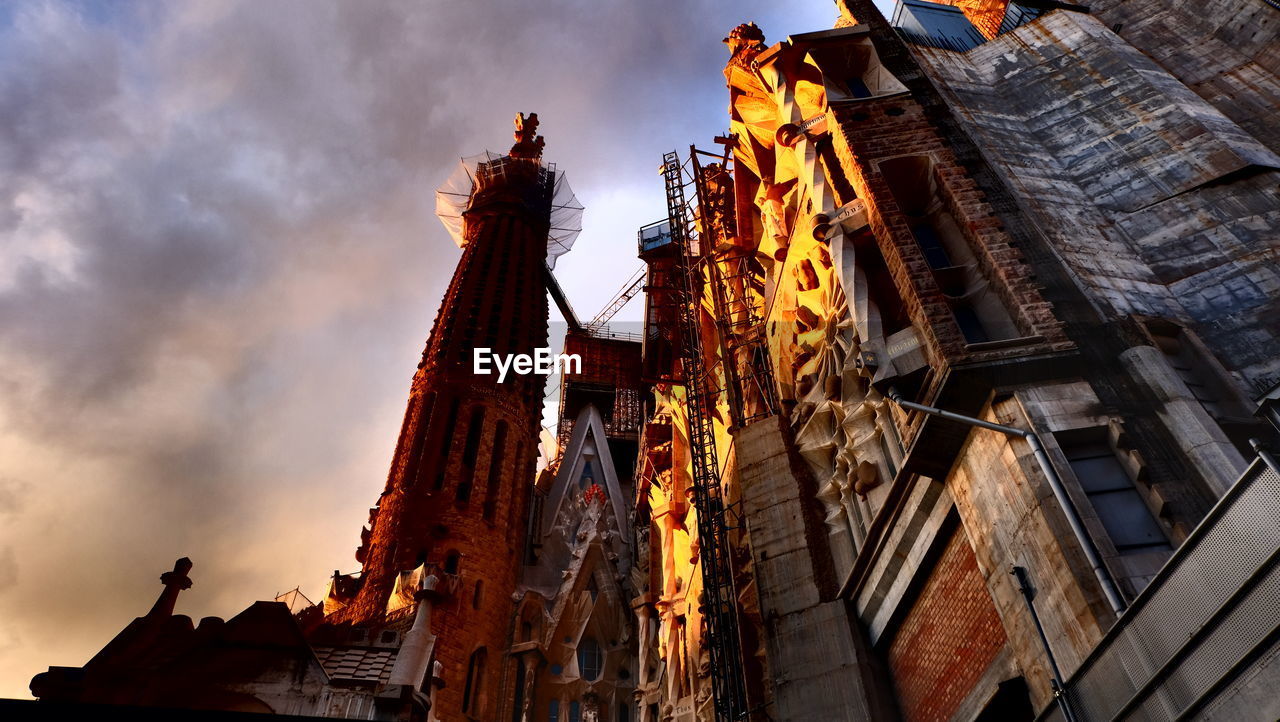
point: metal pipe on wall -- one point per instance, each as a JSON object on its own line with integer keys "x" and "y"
{"x": 1109, "y": 589}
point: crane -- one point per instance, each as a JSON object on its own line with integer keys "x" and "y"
{"x": 629, "y": 290}
{"x": 622, "y": 298}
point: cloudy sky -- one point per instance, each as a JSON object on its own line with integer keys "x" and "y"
{"x": 219, "y": 263}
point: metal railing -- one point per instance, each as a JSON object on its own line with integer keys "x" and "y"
{"x": 654, "y": 235}
{"x": 603, "y": 330}
{"x": 1207, "y": 616}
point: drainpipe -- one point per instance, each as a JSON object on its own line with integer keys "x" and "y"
{"x": 1029, "y": 596}
{"x": 1108, "y": 585}
{"x": 1265, "y": 455}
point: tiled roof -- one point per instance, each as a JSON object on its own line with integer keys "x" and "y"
{"x": 357, "y": 663}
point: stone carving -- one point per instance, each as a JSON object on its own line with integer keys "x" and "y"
{"x": 745, "y": 42}
{"x": 174, "y": 582}
{"x": 528, "y": 143}
{"x": 717, "y": 211}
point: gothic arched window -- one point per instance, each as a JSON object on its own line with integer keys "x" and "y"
{"x": 472, "y": 699}
{"x": 417, "y": 450}
{"x": 446, "y": 439}
{"x": 496, "y": 458}
{"x": 469, "y": 451}
{"x": 588, "y": 478}
{"x": 590, "y": 659}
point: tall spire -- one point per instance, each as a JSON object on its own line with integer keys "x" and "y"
{"x": 458, "y": 491}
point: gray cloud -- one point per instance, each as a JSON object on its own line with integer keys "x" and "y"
{"x": 219, "y": 262}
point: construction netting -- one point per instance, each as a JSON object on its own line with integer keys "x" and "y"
{"x": 454, "y": 195}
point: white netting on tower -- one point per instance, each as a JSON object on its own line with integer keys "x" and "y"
{"x": 566, "y": 218}
{"x": 453, "y": 196}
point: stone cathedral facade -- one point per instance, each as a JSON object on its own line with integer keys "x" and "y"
{"x": 1009, "y": 273}
{"x": 959, "y": 371}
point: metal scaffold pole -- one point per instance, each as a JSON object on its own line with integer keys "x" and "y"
{"x": 731, "y": 273}
{"x": 720, "y": 612}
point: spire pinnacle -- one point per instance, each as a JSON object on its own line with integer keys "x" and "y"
{"x": 528, "y": 143}
{"x": 174, "y": 582}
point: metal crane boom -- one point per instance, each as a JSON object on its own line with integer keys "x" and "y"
{"x": 623, "y": 297}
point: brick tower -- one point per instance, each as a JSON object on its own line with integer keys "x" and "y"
{"x": 457, "y": 495}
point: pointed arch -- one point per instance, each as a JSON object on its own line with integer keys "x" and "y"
{"x": 588, "y": 444}
{"x": 472, "y": 694}
{"x": 492, "y": 483}
{"x": 470, "y": 449}
{"x": 446, "y": 439}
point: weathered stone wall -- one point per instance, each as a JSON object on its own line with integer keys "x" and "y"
{"x": 875, "y": 130}
{"x": 1157, "y": 202}
{"x": 997, "y": 496}
{"x": 1007, "y": 508}
{"x": 1093, "y": 190}
{"x": 1227, "y": 51}
{"x": 818, "y": 671}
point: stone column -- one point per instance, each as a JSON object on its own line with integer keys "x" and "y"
{"x": 415, "y": 653}
{"x": 1215, "y": 458}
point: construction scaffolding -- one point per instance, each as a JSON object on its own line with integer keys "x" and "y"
{"x": 737, "y": 293}
{"x": 454, "y": 196}
{"x": 720, "y": 612}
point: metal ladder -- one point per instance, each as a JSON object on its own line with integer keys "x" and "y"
{"x": 720, "y": 610}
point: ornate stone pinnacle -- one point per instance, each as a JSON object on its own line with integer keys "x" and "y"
{"x": 178, "y": 577}
{"x": 745, "y": 42}
{"x": 174, "y": 582}
{"x": 528, "y": 143}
